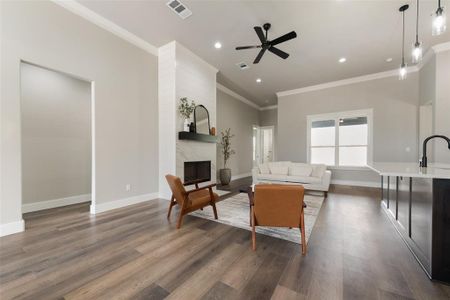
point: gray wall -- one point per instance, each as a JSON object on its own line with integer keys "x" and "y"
{"x": 126, "y": 119}
{"x": 395, "y": 109}
{"x": 240, "y": 117}
{"x": 56, "y": 135}
{"x": 442, "y": 106}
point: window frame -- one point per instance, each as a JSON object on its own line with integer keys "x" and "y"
{"x": 368, "y": 113}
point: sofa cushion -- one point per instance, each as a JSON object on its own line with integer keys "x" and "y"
{"x": 279, "y": 169}
{"x": 303, "y": 179}
{"x": 300, "y": 170}
{"x": 264, "y": 169}
{"x": 275, "y": 177}
{"x": 318, "y": 170}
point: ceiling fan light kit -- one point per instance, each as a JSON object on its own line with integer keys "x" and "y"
{"x": 267, "y": 44}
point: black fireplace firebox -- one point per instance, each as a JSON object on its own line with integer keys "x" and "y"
{"x": 198, "y": 171}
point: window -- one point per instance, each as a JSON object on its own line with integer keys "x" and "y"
{"x": 340, "y": 139}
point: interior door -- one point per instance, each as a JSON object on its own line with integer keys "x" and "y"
{"x": 263, "y": 144}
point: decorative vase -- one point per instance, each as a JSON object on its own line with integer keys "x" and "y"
{"x": 192, "y": 127}
{"x": 186, "y": 125}
{"x": 225, "y": 176}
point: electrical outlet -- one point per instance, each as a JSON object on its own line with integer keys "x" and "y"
{"x": 128, "y": 187}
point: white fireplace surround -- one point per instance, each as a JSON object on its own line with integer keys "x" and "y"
{"x": 181, "y": 73}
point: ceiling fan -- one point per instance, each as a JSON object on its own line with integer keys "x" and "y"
{"x": 269, "y": 45}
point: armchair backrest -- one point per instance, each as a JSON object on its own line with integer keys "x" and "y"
{"x": 177, "y": 188}
{"x": 278, "y": 205}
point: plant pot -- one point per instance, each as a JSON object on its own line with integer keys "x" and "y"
{"x": 225, "y": 176}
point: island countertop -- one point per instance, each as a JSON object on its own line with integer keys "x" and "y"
{"x": 411, "y": 170}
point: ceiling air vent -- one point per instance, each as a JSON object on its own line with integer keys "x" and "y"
{"x": 242, "y": 65}
{"x": 179, "y": 8}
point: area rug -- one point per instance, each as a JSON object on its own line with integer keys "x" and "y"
{"x": 234, "y": 211}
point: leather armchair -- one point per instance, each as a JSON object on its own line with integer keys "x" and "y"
{"x": 278, "y": 205}
{"x": 191, "y": 200}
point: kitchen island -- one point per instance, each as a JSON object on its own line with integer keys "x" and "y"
{"x": 417, "y": 201}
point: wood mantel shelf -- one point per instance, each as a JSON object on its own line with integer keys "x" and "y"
{"x": 199, "y": 137}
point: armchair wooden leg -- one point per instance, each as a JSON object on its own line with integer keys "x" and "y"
{"x": 253, "y": 232}
{"x": 213, "y": 204}
{"x": 172, "y": 203}
{"x": 180, "y": 219}
{"x": 303, "y": 233}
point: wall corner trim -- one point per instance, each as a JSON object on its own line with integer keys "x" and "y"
{"x": 12, "y": 227}
{"x": 106, "y": 206}
{"x": 106, "y": 24}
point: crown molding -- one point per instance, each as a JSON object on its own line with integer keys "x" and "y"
{"x": 237, "y": 96}
{"x": 441, "y": 47}
{"x": 428, "y": 55}
{"x": 347, "y": 81}
{"x": 86, "y": 13}
{"x": 269, "y": 107}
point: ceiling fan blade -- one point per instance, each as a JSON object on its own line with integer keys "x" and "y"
{"x": 279, "y": 52}
{"x": 260, "y": 34}
{"x": 288, "y": 36}
{"x": 247, "y": 47}
{"x": 260, "y": 54}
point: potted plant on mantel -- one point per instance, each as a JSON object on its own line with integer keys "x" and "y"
{"x": 225, "y": 173}
{"x": 186, "y": 110}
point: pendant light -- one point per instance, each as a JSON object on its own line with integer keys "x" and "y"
{"x": 403, "y": 72}
{"x": 439, "y": 21}
{"x": 417, "y": 46}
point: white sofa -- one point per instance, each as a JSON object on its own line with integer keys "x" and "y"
{"x": 312, "y": 176}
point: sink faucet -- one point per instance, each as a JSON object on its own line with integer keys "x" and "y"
{"x": 423, "y": 162}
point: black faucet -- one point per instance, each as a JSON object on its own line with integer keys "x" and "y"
{"x": 423, "y": 162}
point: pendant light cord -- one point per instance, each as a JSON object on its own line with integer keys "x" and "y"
{"x": 403, "y": 37}
{"x": 417, "y": 23}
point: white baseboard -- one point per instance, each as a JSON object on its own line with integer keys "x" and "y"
{"x": 241, "y": 176}
{"x": 356, "y": 183}
{"x": 29, "y": 207}
{"x": 102, "y": 207}
{"x": 11, "y": 228}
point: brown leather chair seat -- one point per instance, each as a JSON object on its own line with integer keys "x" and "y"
{"x": 201, "y": 198}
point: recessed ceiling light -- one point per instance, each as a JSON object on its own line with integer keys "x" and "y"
{"x": 218, "y": 45}
{"x": 389, "y": 59}
{"x": 342, "y": 60}
{"x": 258, "y": 80}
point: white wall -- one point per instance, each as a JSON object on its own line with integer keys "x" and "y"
{"x": 56, "y": 135}
{"x": 240, "y": 117}
{"x": 395, "y": 109}
{"x": 126, "y": 114}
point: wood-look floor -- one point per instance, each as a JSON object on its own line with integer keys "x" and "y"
{"x": 135, "y": 253}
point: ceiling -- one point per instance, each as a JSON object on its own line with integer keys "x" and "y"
{"x": 365, "y": 32}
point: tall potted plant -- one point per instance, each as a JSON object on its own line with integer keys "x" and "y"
{"x": 225, "y": 142}
{"x": 186, "y": 110}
